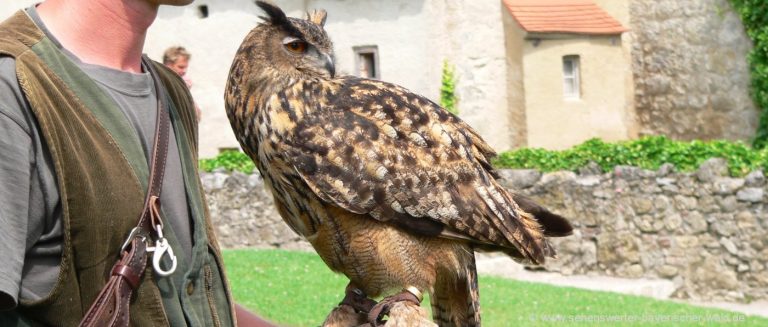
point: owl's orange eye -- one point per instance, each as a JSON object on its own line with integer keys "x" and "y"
{"x": 296, "y": 46}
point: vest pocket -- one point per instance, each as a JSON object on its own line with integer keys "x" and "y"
{"x": 216, "y": 292}
{"x": 209, "y": 293}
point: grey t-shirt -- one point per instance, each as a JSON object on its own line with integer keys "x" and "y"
{"x": 30, "y": 207}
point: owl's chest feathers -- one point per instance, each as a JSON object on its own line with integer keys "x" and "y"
{"x": 275, "y": 128}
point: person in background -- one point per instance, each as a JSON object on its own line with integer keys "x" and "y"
{"x": 78, "y": 110}
{"x": 177, "y": 59}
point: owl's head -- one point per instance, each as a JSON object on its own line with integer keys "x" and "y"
{"x": 292, "y": 47}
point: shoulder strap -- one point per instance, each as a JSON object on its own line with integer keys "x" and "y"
{"x": 111, "y": 306}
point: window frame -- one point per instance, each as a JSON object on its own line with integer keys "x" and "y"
{"x": 572, "y": 78}
{"x": 360, "y": 51}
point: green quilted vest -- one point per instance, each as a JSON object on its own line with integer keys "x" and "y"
{"x": 102, "y": 174}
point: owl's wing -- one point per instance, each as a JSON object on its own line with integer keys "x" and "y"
{"x": 376, "y": 148}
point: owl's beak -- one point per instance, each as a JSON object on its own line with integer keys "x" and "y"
{"x": 329, "y": 65}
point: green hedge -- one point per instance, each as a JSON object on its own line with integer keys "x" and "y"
{"x": 754, "y": 16}
{"x": 647, "y": 152}
{"x": 229, "y": 160}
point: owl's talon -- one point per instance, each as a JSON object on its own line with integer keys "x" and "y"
{"x": 410, "y": 294}
{"x": 357, "y": 299}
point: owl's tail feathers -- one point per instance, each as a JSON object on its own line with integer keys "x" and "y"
{"x": 456, "y": 298}
{"x": 553, "y": 225}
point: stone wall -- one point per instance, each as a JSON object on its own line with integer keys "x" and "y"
{"x": 244, "y": 215}
{"x": 704, "y": 231}
{"x": 690, "y": 70}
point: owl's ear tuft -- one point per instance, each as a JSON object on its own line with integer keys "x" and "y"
{"x": 275, "y": 15}
{"x": 318, "y": 17}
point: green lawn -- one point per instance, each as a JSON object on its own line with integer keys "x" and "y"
{"x": 297, "y": 289}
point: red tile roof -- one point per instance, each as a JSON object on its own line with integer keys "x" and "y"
{"x": 563, "y": 16}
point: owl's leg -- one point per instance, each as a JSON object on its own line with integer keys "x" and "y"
{"x": 403, "y": 309}
{"x": 352, "y": 310}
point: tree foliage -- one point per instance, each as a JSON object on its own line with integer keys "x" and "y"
{"x": 754, "y": 16}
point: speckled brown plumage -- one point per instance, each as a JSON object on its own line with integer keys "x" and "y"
{"x": 390, "y": 189}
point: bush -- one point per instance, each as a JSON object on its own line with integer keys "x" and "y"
{"x": 648, "y": 152}
{"x": 229, "y": 160}
{"x": 448, "y": 96}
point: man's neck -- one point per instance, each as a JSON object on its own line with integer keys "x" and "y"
{"x": 108, "y": 33}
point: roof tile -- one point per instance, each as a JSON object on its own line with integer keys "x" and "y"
{"x": 563, "y": 16}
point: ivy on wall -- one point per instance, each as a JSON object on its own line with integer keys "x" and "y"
{"x": 649, "y": 152}
{"x": 448, "y": 97}
{"x": 754, "y": 16}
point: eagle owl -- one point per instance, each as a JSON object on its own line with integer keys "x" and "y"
{"x": 390, "y": 189}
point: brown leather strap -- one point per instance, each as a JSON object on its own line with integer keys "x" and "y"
{"x": 382, "y": 308}
{"x": 111, "y": 307}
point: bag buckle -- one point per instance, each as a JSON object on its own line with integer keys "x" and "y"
{"x": 160, "y": 249}
{"x": 135, "y": 232}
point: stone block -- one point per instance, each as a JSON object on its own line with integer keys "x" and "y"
{"x": 685, "y": 203}
{"x": 712, "y": 274}
{"x": 642, "y": 205}
{"x": 518, "y": 179}
{"x": 665, "y": 181}
{"x": 755, "y": 179}
{"x": 588, "y": 181}
{"x": 592, "y": 168}
{"x": 667, "y": 271}
{"x": 647, "y": 223}
{"x": 727, "y": 203}
{"x": 629, "y": 173}
{"x": 750, "y": 194}
{"x": 665, "y": 169}
{"x": 686, "y": 241}
{"x": 618, "y": 248}
{"x": 727, "y": 185}
{"x": 729, "y": 246}
{"x": 695, "y": 223}
{"x": 633, "y": 271}
{"x": 725, "y": 227}
{"x": 673, "y": 222}
{"x": 558, "y": 177}
{"x": 711, "y": 169}
{"x": 745, "y": 220}
{"x": 255, "y": 181}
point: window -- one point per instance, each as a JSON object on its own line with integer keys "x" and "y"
{"x": 571, "y": 80}
{"x": 202, "y": 11}
{"x": 367, "y": 61}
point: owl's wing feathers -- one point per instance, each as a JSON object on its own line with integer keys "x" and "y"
{"x": 375, "y": 148}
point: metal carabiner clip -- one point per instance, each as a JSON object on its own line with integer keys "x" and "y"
{"x": 160, "y": 249}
